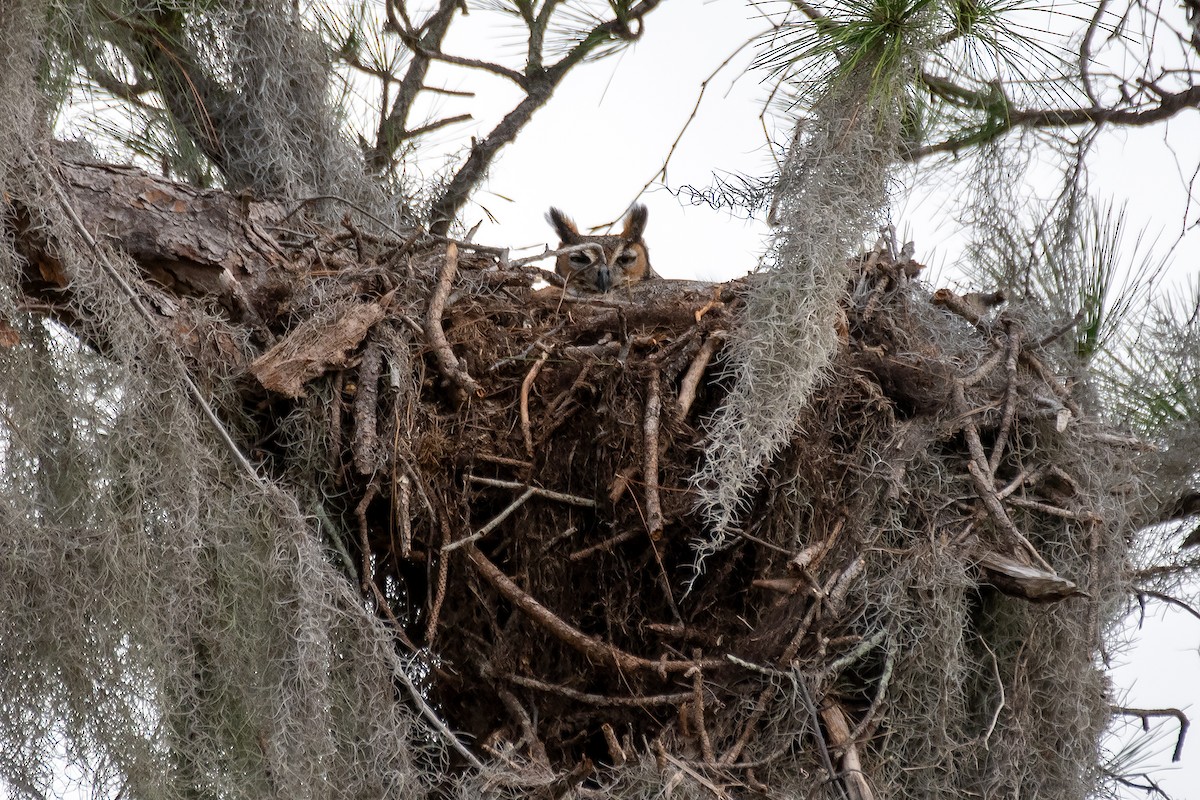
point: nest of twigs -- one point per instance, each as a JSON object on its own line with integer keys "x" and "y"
{"x": 509, "y": 468}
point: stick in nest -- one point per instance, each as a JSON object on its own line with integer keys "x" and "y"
{"x": 526, "y": 384}
{"x": 365, "y": 442}
{"x": 654, "y": 516}
{"x": 1010, "y": 401}
{"x": 436, "y": 336}
{"x": 590, "y": 646}
{"x": 695, "y": 372}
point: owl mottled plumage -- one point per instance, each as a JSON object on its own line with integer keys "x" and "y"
{"x": 615, "y": 261}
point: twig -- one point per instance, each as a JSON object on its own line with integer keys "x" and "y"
{"x": 885, "y": 678}
{"x": 1010, "y": 401}
{"x": 365, "y": 442}
{"x": 615, "y": 752}
{"x": 822, "y": 745}
{"x": 404, "y": 512}
{"x": 985, "y": 369}
{"x": 360, "y": 511}
{"x": 590, "y": 646}
{"x": 854, "y": 782}
{"x": 335, "y": 423}
{"x": 694, "y": 374}
{"x": 524, "y": 354}
{"x": 530, "y": 377}
{"x": 987, "y": 494}
{"x": 436, "y": 336}
{"x": 1052, "y": 381}
{"x": 601, "y": 547}
{"x": 1000, "y": 685}
{"x": 398, "y": 629}
{"x": 600, "y": 700}
{"x": 985, "y": 487}
{"x": 662, "y": 753}
{"x": 662, "y": 171}
{"x": 493, "y": 523}
{"x": 567, "y": 782}
{"x": 570, "y": 499}
{"x": 1145, "y": 713}
{"x": 439, "y": 595}
{"x": 706, "y": 747}
{"x": 1166, "y": 598}
{"x": 1058, "y": 332}
{"x": 399, "y": 670}
{"x": 1046, "y": 508}
{"x": 537, "y": 751}
{"x": 654, "y": 516}
{"x": 508, "y": 462}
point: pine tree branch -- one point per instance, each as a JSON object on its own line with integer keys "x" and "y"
{"x": 539, "y": 85}
{"x": 423, "y": 42}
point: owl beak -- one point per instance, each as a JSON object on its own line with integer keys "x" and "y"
{"x": 603, "y": 279}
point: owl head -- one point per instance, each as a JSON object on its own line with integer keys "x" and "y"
{"x": 612, "y": 261}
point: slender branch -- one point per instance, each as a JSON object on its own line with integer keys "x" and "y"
{"x": 590, "y": 646}
{"x": 1144, "y": 714}
{"x": 654, "y": 515}
{"x": 1168, "y": 105}
{"x": 451, "y": 368}
{"x": 539, "y": 85}
{"x": 474, "y": 63}
{"x": 392, "y": 130}
{"x": 601, "y": 700}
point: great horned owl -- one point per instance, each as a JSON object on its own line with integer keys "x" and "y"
{"x": 616, "y": 260}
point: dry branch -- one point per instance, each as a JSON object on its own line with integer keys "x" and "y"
{"x": 650, "y": 450}
{"x": 450, "y": 366}
{"x": 590, "y": 646}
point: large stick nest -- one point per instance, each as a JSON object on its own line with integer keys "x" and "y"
{"x": 514, "y": 464}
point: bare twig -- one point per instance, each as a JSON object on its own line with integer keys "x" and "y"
{"x": 654, "y": 516}
{"x": 601, "y": 700}
{"x": 999, "y": 685}
{"x": 602, "y": 547}
{"x": 1010, "y": 401}
{"x": 590, "y": 646}
{"x": 360, "y": 512}
{"x": 985, "y": 487}
{"x": 530, "y": 377}
{"x": 695, "y": 373}
{"x": 366, "y": 450}
{"x": 436, "y": 336}
{"x": 561, "y": 497}
{"x": 493, "y": 523}
{"x": 1144, "y": 714}
{"x": 706, "y": 747}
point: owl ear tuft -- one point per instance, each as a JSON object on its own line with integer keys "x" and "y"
{"x": 635, "y": 223}
{"x": 563, "y": 225}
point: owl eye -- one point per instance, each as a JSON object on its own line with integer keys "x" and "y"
{"x": 626, "y": 259}
{"x": 579, "y": 259}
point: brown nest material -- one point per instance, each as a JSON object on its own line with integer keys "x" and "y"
{"x": 513, "y": 465}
